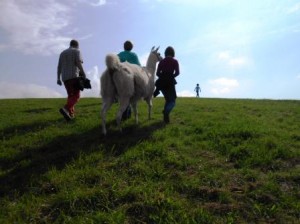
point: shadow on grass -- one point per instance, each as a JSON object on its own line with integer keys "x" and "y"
{"x": 25, "y": 169}
{"x": 97, "y": 105}
{"x": 38, "y": 110}
{"x": 25, "y": 128}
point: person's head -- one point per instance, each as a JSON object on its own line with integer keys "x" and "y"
{"x": 197, "y": 84}
{"x": 169, "y": 52}
{"x": 74, "y": 43}
{"x": 128, "y": 45}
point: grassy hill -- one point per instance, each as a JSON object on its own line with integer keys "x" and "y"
{"x": 218, "y": 161}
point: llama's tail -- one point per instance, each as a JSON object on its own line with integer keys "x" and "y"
{"x": 112, "y": 61}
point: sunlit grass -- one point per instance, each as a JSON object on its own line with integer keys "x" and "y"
{"x": 218, "y": 161}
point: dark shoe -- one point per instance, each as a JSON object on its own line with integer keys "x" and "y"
{"x": 166, "y": 117}
{"x": 65, "y": 113}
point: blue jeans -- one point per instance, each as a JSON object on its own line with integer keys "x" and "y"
{"x": 169, "y": 107}
{"x": 170, "y": 97}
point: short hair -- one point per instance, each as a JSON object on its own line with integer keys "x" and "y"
{"x": 74, "y": 43}
{"x": 128, "y": 45}
{"x": 170, "y": 52}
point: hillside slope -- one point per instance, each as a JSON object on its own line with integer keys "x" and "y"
{"x": 218, "y": 161}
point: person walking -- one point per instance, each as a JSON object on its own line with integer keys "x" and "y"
{"x": 69, "y": 68}
{"x": 167, "y": 70}
{"x": 197, "y": 89}
{"x": 131, "y": 57}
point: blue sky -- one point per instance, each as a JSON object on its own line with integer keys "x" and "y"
{"x": 232, "y": 48}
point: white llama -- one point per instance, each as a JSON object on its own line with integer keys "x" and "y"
{"x": 129, "y": 83}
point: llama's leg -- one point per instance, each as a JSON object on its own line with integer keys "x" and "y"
{"x": 134, "y": 106}
{"x": 106, "y": 104}
{"x": 124, "y": 102}
{"x": 149, "y": 102}
{"x": 150, "y": 105}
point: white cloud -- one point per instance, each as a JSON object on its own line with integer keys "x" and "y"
{"x": 94, "y": 3}
{"x": 10, "y": 90}
{"x": 241, "y": 61}
{"x": 223, "y": 85}
{"x": 93, "y": 75}
{"x": 143, "y": 59}
{"x": 34, "y": 27}
{"x": 235, "y": 62}
{"x": 224, "y": 55}
{"x": 38, "y": 27}
{"x": 98, "y": 3}
{"x": 193, "y": 2}
{"x": 295, "y": 8}
{"x": 185, "y": 93}
{"x": 16, "y": 90}
{"x": 235, "y": 34}
{"x": 225, "y": 82}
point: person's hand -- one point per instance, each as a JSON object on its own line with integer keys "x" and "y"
{"x": 59, "y": 82}
{"x": 82, "y": 74}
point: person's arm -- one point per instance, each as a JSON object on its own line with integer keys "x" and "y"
{"x": 120, "y": 55}
{"x": 158, "y": 71}
{"x": 79, "y": 62}
{"x": 136, "y": 59}
{"x": 59, "y": 72}
{"x": 177, "y": 72}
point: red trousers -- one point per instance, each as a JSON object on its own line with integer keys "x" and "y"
{"x": 73, "y": 95}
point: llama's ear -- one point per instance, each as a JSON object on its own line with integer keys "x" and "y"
{"x": 157, "y": 49}
{"x": 152, "y": 49}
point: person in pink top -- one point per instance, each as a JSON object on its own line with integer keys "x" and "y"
{"x": 167, "y": 70}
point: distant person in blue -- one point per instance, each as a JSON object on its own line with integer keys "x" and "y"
{"x": 131, "y": 57}
{"x": 167, "y": 70}
{"x": 197, "y": 89}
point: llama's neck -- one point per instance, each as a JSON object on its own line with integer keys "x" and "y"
{"x": 151, "y": 65}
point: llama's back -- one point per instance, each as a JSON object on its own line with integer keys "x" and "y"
{"x": 126, "y": 79}
{"x": 144, "y": 84}
{"x": 123, "y": 79}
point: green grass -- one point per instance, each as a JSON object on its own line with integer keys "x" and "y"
{"x": 218, "y": 161}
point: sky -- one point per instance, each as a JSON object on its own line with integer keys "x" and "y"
{"x": 232, "y": 48}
